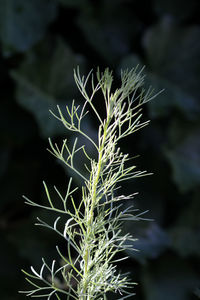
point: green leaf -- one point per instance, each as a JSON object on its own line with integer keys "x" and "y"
{"x": 43, "y": 81}
{"x": 23, "y": 23}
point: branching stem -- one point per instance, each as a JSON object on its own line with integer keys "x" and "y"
{"x": 93, "y": 227}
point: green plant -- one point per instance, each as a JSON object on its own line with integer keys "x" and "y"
{"x": 93, "y": 228}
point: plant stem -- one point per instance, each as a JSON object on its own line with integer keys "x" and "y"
{"x": 93, "y": 227}
{"x": 92, "y": 205}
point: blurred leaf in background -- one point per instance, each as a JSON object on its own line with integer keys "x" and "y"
{"x": 44, "y": 80}
{"x": 24, "y": 23}
{"x": 173, "y": 53}
{"x": 184, "y": 157}
{"x": 170, "y": 278}
{"x": 108, "y": 31}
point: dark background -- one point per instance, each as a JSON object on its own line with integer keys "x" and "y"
{"x": 41, "y": 42}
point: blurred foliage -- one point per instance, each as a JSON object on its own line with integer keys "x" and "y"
{"x": 41, "y": 43}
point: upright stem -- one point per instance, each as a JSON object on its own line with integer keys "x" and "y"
{"x": 91, "y": 210}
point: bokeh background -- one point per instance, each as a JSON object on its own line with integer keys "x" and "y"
{"x": 41, "y": 42}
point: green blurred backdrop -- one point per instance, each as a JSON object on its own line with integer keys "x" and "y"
{"x": 41, "y": 42}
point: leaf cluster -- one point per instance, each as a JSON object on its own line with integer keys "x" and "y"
{"x": 93, "y": 228}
